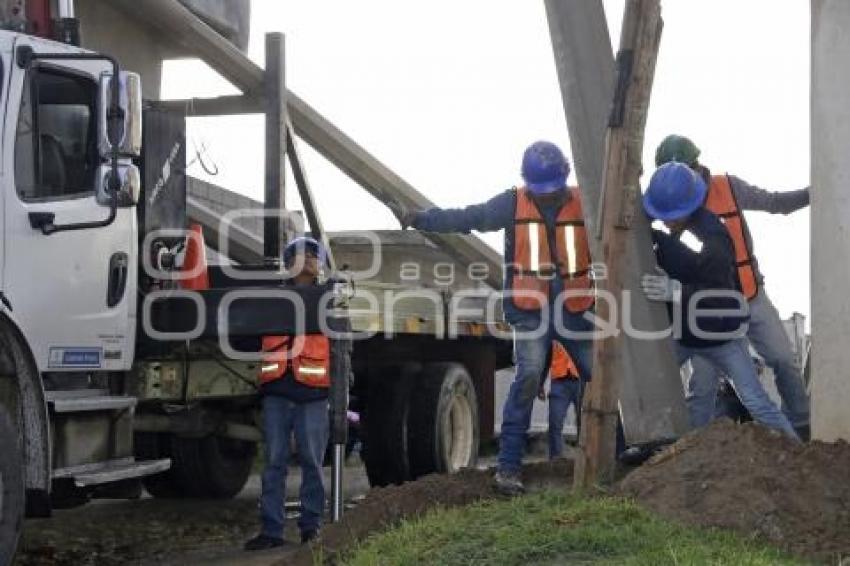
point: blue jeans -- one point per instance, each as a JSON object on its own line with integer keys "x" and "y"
{"x": 309, "y": 422}
{"x": 562, "y": 393}
{"x": 767, "y": 335}
{"x": 733, "y": 359}
{"x": 531, "y": 353}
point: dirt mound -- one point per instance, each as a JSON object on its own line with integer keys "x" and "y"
{"x": 384, "y": 507}
{"x": 754, "y": 481}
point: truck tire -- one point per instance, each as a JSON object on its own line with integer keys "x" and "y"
{"x": 152, "y": 446}
{"x": 11, "y": 488}
{"x": 211, "y": 466}
{"x": 385, "y": 422}
{"x": 443, "y": 426}
{"x": 227, "y": 465}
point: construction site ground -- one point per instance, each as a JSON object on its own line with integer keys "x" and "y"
{"x": 738, "y": 477}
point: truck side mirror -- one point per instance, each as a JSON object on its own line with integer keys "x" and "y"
{"x": 127, "y": 132}
{"x": 129, "y": 184}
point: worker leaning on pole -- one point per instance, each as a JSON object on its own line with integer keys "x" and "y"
{"x": 727, "y": 197}
{"x": 698, "y": 279}
{"x": 295, "y": 378}
{"x": 546, "y": 253}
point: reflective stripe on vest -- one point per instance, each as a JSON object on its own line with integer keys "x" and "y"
{"x": 309, "y": 357}
{"x": 721, "y": 201}
{"x": 533, "y": 265}
{"x": 562, "y": 364}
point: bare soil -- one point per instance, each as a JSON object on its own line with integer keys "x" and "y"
{"x": 384, "y": 507}
{"x": 756, "y": 482}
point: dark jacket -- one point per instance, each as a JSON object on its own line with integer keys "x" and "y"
{"x": 287, "y": 386}
{"x": 711, "y": 268}
{"x": 496, "y": 214}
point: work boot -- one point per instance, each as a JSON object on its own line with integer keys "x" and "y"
{"x": 307, "y": 536}
{"x": 263, "y": 542}
{"x": 509, "y": 483}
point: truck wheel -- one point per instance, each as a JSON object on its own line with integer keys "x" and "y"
{"x": 152, "y": 446}
{"x": 211, "y": 466}
{"x": 443, "y": 430}
{"x": 11, "y": 488}
{"x": 385, "y": 421}
{"x": 227, "y": 463}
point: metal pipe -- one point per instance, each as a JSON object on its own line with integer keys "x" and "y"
{"x": 274, "y": 232}
{"x": 336, "y": 482}
{"x": 66, "y": 9}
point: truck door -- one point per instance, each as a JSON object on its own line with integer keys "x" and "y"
{"x": 73, "y": 292}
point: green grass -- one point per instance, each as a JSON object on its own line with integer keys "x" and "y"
{"x": 556, "y": 527}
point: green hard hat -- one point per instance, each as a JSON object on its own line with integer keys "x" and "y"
{"x": 676, "y": 148}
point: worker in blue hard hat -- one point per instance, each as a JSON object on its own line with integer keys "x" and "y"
{"x": 546, "y": 280}
{"x": 698, "y": 280}
{"x": 728, "y": 196}
{"x": 294, "y": 382}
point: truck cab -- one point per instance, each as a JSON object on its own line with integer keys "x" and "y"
{"x": 68, "y": 271}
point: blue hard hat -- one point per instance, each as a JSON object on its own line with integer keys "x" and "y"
{"x": 544, "y": 168}
{"x": 674, "y": 192}
{"x": 304, "y": 244}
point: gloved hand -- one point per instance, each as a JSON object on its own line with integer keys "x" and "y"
{"x": 660, "y": 288}
{"x": 404, "y": 215}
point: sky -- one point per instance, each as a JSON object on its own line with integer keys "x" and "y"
{"x": 448, "y": 94}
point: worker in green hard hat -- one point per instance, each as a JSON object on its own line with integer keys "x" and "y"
{"x": 727, "y": 197}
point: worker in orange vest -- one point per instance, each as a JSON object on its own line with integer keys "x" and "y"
{"x": 564, "y": 390}
{"x": 548, "y": 287}
{"x": 294, "y": 377}
{"x": 727, "y": 197}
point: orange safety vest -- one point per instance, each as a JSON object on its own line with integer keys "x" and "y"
{"x": 721, "y": 201}
{"x": 533, "y": 267}
{"x": 562, "y": 364}
{"x": 309, "y": 355}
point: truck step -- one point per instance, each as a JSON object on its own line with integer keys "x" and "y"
{"x": 81, "y": 400}
{"x": 111, "y": 471}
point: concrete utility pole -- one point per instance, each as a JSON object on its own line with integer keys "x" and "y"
{"x": 586, "y": 73}
{"x": 619, "y": 206}
{"x": 830, "y": 129}
{"x": 651, "y": 394}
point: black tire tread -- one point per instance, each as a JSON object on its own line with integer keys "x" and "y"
{"x": 385, "y": 422}
{"x": 11, "y": 463}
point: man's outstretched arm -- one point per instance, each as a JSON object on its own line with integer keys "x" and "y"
{"x": 495, "y": 214}
{"x": 751, "y": 197}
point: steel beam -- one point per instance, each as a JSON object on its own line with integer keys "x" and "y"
{"x": 274, "y": 230}
{"x": 384, "y": 184}
{"x": 651, "y": 395}
{"x": 216, "y": 106}
{"x": 174, "y": 20}
{"x": 307, "y": 200}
